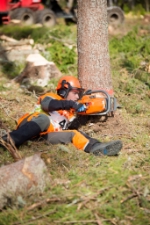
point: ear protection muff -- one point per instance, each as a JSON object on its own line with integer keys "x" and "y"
{"x": 63, "y": 92}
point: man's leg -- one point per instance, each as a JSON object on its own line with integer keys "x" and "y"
{"x": 67, "y": 136}
{"x": 83, "y": 142}
{"x": 28, "y": 129}
{"x": 97, "y": 148}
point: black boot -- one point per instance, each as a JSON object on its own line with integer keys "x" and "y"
{"x": 23, "y": 133}
{"x": 110, "y": 148}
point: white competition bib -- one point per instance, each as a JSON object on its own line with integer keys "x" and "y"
{"x": 60, "y": 122}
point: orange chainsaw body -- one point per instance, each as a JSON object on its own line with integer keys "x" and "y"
{"x": 94, "y": 104}
{"x": 98, "y": 102}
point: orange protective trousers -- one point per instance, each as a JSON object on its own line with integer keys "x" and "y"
{"x": 78, "y": 139}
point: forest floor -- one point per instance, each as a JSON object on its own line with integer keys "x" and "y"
{"x": 85, "y": 189}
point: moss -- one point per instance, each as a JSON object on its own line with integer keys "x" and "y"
{"x": 12, "y": 69}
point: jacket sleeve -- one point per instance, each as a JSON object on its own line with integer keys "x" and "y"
{"x": 49, "y": 104}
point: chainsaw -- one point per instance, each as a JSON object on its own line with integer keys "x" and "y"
{"x": 98, "y": 102}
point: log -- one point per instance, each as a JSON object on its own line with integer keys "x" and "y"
{"x": 16, "y": 44}
{"x": 5, "y": 38}
{"x": 17, "y": 47}
{"x": 25, "y": 177}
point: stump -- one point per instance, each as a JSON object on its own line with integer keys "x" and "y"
{"x": 25, "y": 177}
{"x": 38, "y": 72}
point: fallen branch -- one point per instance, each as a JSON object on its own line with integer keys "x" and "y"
{"x": 41, "y": 203}
{"x": 134, "y": 195}
{"x": 83, "y": 221}
{"x": 93, "y": 197}
{"x": 35, "y": 218}
{"x": 77, "y": 222}
{"x": 98, "y": 219}
{"x": 5, "y": 38}
{"x": 9, "y": 145}
{"x": 128, "y": 198}
{"x": 64, "y": 42}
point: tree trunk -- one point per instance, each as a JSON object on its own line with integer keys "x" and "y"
{"x": 147, "y": 5}
{"x": 93, "y": 56}
{"x": 25, "y": 177}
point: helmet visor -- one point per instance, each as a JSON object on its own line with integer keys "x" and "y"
{"x": 79, "y": 91}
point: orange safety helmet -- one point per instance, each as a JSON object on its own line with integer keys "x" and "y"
{"x": 68, "y": 83}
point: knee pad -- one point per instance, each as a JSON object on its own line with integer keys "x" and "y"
{"x": 42, "y": 121}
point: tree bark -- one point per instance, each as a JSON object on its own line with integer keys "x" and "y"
{"x": 92, "y": 42}
{"x": 147, "y": 5}
{"x": 25, "y": 177}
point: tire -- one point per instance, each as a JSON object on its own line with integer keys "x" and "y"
{"x": 115, "y": 15}
{"x": 46, "y": 17}
{"x": 25, "y": 15}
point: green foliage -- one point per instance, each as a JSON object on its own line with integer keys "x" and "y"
{"x": 143, "y": 76}
{"x": 139, "y": 10}
{"x": 16, "y": 31}
{"x": 56, "y": 42}
{"x": 126, "y": 8}
{"x": 131, "y": 63}
{"x": 22, "y": 32}
{"x": 131, "y": 44}
{"x": 130, "y": 51}
{"x": 39, "y": 34}
{"x": 2, "y": 88}
{"x": 64, "y": 32}
{"x": 12, "y": 69}
{"x": 62, "y": 56}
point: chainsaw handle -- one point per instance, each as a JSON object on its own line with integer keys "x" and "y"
{"x": 88, "y": 92}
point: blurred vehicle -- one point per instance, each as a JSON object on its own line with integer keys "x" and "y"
{"x": 32, "y": 11}
{"x": 114, "y": 13}
{"x": 46, "y": 11}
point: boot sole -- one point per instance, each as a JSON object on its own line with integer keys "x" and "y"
{"x": 110, "y": 149}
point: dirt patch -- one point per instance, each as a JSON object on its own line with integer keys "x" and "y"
{"x": 104, "y": 126}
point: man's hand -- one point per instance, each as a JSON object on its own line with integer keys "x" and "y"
{"x": 81, "y": 108}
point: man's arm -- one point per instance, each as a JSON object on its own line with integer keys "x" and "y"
{"x": 49, "y": 104}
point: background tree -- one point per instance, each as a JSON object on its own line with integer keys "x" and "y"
{"x": 92, "y": 40}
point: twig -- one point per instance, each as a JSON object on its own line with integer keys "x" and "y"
{"x": 98, "y": 219}
{"x": 77, "y": 222}
{"x": 134, "y": 195}
{"x": 49, "y": 200}
{"x": 35, "y": 218}
{"x": 82, "y": 221}
{"x": 60, "y": 40}
{"x": 128, "y": 198}
{"x": 93, "y": 197}
{"x": 9, "y": 145}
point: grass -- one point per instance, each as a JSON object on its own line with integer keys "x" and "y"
{"x": 85, "y": 189}
{"x": 110, "y": 191}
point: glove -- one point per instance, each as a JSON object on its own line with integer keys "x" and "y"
{"x": 81, "y": 108}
